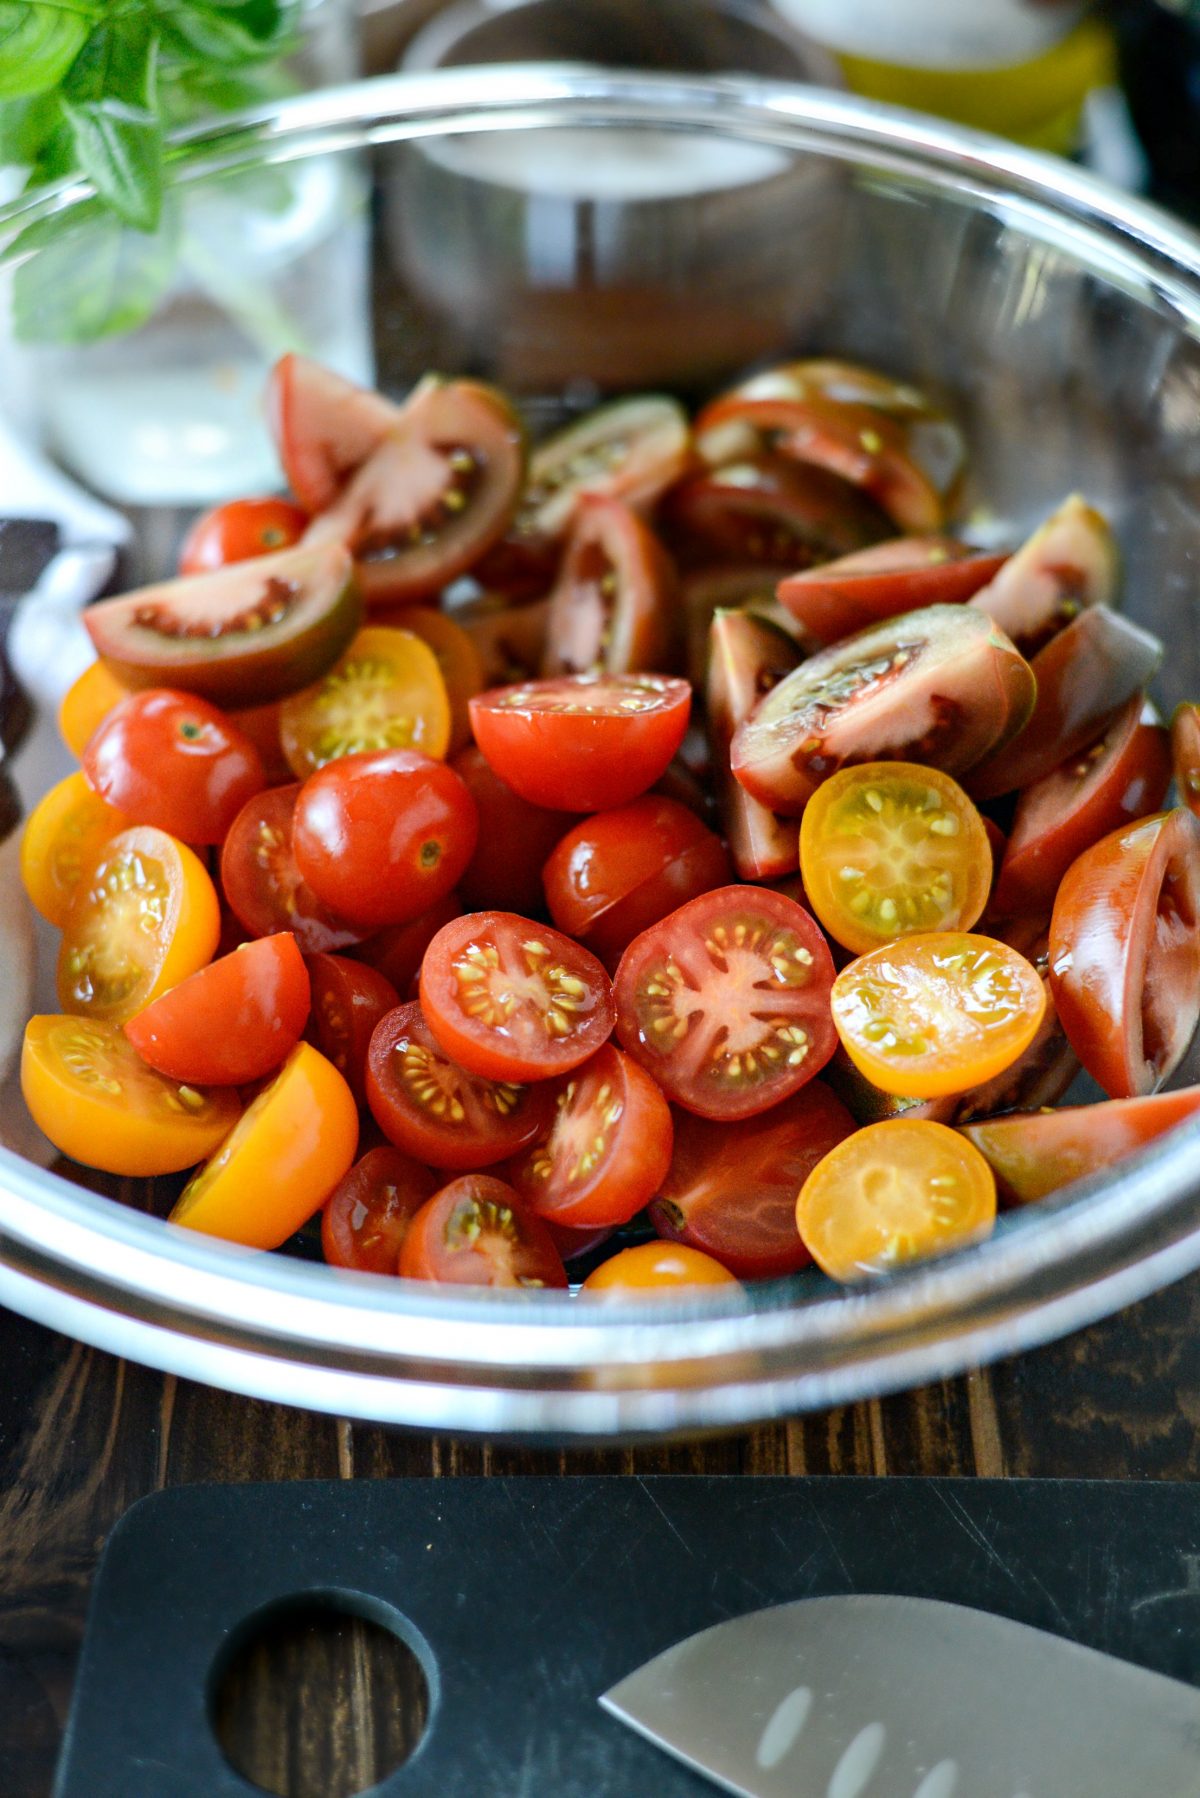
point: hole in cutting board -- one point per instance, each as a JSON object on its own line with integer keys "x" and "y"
{"x": 319, "y": 1697}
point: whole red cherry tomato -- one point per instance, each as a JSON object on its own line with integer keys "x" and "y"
{"x": 476, "y": 1232}
{"x": 173, "y": 760}
{"x": 232, "y": 1022}
{"x": 367, "y": 1215}
{"x": 239, "y": 531}
{"x": 514, "y": 840}
{"x": 348, "y": 1000}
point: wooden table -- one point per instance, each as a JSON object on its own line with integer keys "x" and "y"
{"x": 83, "y": 1435}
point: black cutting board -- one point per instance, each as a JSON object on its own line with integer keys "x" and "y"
{"x": 527, "y": 1598}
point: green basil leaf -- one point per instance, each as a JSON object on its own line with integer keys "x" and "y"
{"x": 92, "y": 276}
{"x": 110, "y": 103}
{"x": 39, "y": 40}
{"x": 25, "y": 125}
{"x": 229, "y": 35}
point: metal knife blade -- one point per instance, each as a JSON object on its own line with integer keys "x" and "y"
{"x": 874, "y": 1697}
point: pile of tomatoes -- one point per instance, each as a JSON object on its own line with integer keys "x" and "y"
{"x": 489, "y": 850}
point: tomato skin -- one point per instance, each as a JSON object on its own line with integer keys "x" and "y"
{"x": 91, "y": 1095}
{"x": 731, "y": 1189}
{"x": 905, "y": 574}
{"x": 398, "y": 950}
{"x": 1125, "y": 952}
{"x": 582, "y": 744}
{"x": 459, "y": 663}
{"x": 230, "y": 1023}
{"x": 605, "y": 1150}
{"x": 618, "y": 872}
{"x": 66, "y": 831}
{"x": 766, "y": 509}
{"x": 1185, "y": 755}
{"x": 323, "y": 426}
{"x": 631, "y": 450}
{"x": 87, "y": 703}
{"x": 779, "y": 966}
{"x": 348, "y": 1000}
{"x": 437, "y": 1112}
{"x": 261, "y": 724}
{"x": 475, "y": 979}
{"x": 655, "y": 1270}
{"x": 382, "y": 836}
{"x": 747, "y": 657}
{"x": 1035, "y": 1154}
{"x": 174, "y": 761}
{"x": 1070, "y": 562}
{"x": 366, "y": 1216}
{"x": 240, "y": 530}
{"x": 262, "y": 884}
{"x": 476, "y": 1232}
{"x": 515, "y": 837}
{"x": 614, "y": 602}
{"x": 1121, "y": 777}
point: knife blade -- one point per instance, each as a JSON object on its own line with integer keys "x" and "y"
{"x": 883, "y": 1697}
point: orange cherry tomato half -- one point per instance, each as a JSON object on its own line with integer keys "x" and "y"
{"x": 90, "y": 1092}
{"x": 281, "y": 1161}
{"x": 144, "y": 919}
{"x": 67, "y": 830}
{"x": 86, "y": 704}
{"x": 240, "y": 530}
{"x": 895, "y": 1192}
{"x": 476, "y": 1232}
{"x": 458, "y": 660}
{"x": 512, "y": 1000}
{"x": 1034, "y": 1154}
{"x": 348, "y": 1000}
{"x": 232, "y": 1022}
{"x": 175, "y": 761}
{"x": 936, "y": 1014}
{"x": 606, "y": 1149}
{"x": 384, "y": 692}
{"x": 653, "y": 1270}
{"x": 366, "y": 1216}
{"x": 1185, "y": 755}
{"x": 888, "y": 849}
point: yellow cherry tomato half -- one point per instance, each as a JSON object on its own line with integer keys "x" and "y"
{"x": 385, "y": 692}
{"x": 144, "y": 918}
{"x": 288, "y": 1152}
{"x": 90, "y": 1092}
{"x": 64, "y": 836}
{"x": 893, "y": 1193}
{"x": 656, "y": 1270}
{"x": 459, "y": 660}
{"x": 937, "y": 1014}
{"x": 87, "y": 703}
{"x": 888, "y": 849}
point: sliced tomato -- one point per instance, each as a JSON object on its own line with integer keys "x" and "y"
{"x": 748, "y": 656}
{"x": 1044, "y": 1071}
{"x": 384, "y": 692}
{"x": 459, "y": 664}
{"x": 240, "y": 530}
{"x": 738, "y": 588}
{"x": 1070, "y": 562}
{"x": 262, "y": 884}
{"x": 348, "y": 1000}
{"x": 895, "y": 1193}
{"x": 726, "y": 1002}
{"x": 172, "y": 760}
{"x": 66, "y": 832}
{"x": 1125, "y": 952}
{"x": 434, "y": 1110}
{"x": 514, "y": 840}
{"x": 937, "y": 1014}
{"x": 1185, "y": 755}
{"x": 731, "y": 1190}
{"x": 476, "y": 1232}
{"x": 652, "y": 1270}
{"x": 869, "y": 1104}
{"x": 324, "y": 427}
{"x": 86, "y": 703}
{"x": 1122, "y": 776}
{"x": 1034, "y": 1155}
{"x": 905, "y": 574}
{"x": 398, "y": 950}
{"x": 631, "y": 450}
{"x": 242, "y": 636}
{"x": 366, "y": 1216}
{"x": 614, "y": 604}
{"x": 941, "y": 687}
{"x": 512, "y": 1000}
{"x": 233, "y": 1021}
{"x": 509, "y": 637}
{"x": 93, "y": 1096}
{"x": 769, "y": 510}
{"x": 888, "y": 849}
{"x": 606, "y": 1149}
{"x": 435, "y": 493}
{"x": 144, "y": 917}
{"x": 580, "y": 743}
{"x": 1085, "y": 675}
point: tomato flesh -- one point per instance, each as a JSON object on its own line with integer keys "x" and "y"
{"x": 66, "y": 832}
{"x": 262, "y": 884}
{"x": 324, "y": 427}
{"x": 905, "y": 574}
{"x": 631, "y": 450}
{"x": 233, "y": 1021}
{"x": 239, "y": 531}
{"x": 769, "y": 511}
{"x": 1034, "y": 1155}
{"x": 476, "y": 1232}
{"x": 384, "y": 692}
{"x": 1069, "y": 563}
{"x": 1185, "y": 755}
{"x": 613, "y": 606}
{"x": 748, "y": 656}
{"x": 348, "y": 1000}
{"x": 174, "y": 761}
{"x": 367, "y": 1215}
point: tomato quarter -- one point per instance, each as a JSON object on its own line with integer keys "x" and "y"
{"x": 1069, "y": 563}
{"x": 1185, "y": 755}
{"x": 475, "y": 1232}
{"x": 748, "y": 656}
{"x": 231, "y": 1023}
{"x": 905, "y": 574}
{"x": 1033, "y": 1155}
{"x": 613, "y": 606}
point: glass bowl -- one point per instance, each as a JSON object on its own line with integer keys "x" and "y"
{"x": 611, "y": 229}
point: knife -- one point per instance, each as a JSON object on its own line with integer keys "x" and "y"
{"x": 872, "y": 1697}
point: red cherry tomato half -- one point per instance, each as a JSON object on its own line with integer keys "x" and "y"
{"x": 262, "y": 884}
{"x": 348, "y": 1000}
{"x": 382, "y": 836}
{"x": 398, "y": 950}
{"x": 1185, "y": 755}
{"x": 580, "y": 743}
{"x": 1125, "y": 952}
{"x": 618, "y": 872}
{"x": 513, "y": 1000}
{"x": 174, "y": 761}
{"x": 902, "y": 575}
{"x": 367, "y": 1215}
{"x": 513, "y": 842}
{"x": 239, "y": 531}
{"x": 613, "y": 606}
{"x": 732, "y": 1188}
{"x": 726, "y": 1002}
{"x": 476, "y": 1232}
{"x": 606, "y": 1149}
{"x": 433, "y": 1109}
{"x": 233, "y": 1022}
{"x": 1034, "y": 1155}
